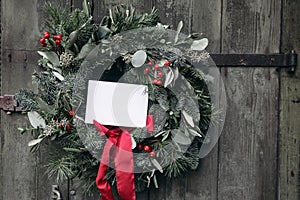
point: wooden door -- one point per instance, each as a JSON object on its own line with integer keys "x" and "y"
{"x": 257, "y": 156}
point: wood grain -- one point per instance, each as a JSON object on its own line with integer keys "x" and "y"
{"x": 289, "y": 144}
{"x": 248, "y": 146}
{"x": 18, "y": 164}
{"x": 171, "y": 12}
{"x": 258, "y": 129}
{"x": 202, "y": 183}
{"x": 1, "y": 130}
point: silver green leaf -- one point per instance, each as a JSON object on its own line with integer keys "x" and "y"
{"x": 133, "y": 142}
{"x": 139, "y": 58}
{"x": 58, "y": 76}
{"x": 169, "y": 78}
{"x": 180, "y": 137}
{"x": 34, "y": 142}
{"x": 85, "y": 50}
{"x": 200, "y": 45}
{"x": 157, "y": 165}
{"x": 51, "y": 56}
{"x": 188, "y": 118}
{"x": 36, "y": 120}
{"x": 179, "y": 27}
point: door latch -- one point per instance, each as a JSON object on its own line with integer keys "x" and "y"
{"x": 9, "y": 104}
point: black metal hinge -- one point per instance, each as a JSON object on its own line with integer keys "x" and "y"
{"x": 288, "y": 61}
{"x": 279, "y": 60}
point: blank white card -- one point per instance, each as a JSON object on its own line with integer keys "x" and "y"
{"x": 117, "y": 104}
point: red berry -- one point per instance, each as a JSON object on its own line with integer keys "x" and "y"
{"x": 160, "y": 74}
{"x": 159, "y": 82}
{"x": 71, "y": 113}
{"x": 150, "y": 63}
{"x": 57, "y": 37}
{"x": 168, "y": 63}
{"x": 147, "y": 148}
{"x": 156, "y": 67}
{"x": 140, "y": 147}
{"x": 60, "y": 125}
{"x": 68, "y": 127}
{"x": 152, "y": 154}
{"x": 46, "y": 35}
{"x": 146, "y": 71}
{"x": 42, "y": 40}
{"x": 58, "y": 42}
{"x": 155, "y": 81}
{"x": 43, "y": 44}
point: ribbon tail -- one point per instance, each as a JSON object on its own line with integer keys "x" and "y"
{"x": 101, "y": 181}
{"x": 125, "y": 167}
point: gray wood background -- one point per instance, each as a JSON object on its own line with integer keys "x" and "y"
{"x": 257, "y": 156}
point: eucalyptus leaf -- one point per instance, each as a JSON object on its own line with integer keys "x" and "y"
{"x": 35, "y": 142}
{"x": 73, "y": 37}
{"x": 103, "y": 31}
{"x": 188, "y": 118}
{"x": 169, "y": 78}
{"x": 44, "y": 106}
{"x": 51, "y": 56}
{"x": 72, "y": 150}
{"x": 166, "y": 135}
{"x": 157, "y": 165}
{"x": 200, "y": 45}
{"x": 180, "y": 137}
{"x": 179, "y": 27}
{"x": 133, "y": 142}
{"x": 85, "y": 50}
{"x": 195, "y": 133}
{"x": 54, "y": 68}
{"x": 176, "y": 75}
{"x": 139, "y": 58}
{"x": 36, "y": 120}
{"x": 59, "y": 76}
{"x": 85, "y": 7}
{"x": 22, "y": 130}
{"x": 155, "y": 181}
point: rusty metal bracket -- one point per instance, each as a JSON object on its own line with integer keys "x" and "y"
{"x": 280, "y": 60}
{"x": 8, "y": 103}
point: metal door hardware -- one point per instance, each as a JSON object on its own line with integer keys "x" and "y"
{"x": 280, "y": 60}
{"x": 9, "y": 104}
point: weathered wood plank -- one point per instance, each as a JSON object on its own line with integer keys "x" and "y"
{"x": 248, "y": 146}
{"x": 18, "y": 164}
{"x": 206, "y": 18}
{"x": 289, "y": 144}
{"x": 171, "y": 12}
{"x": 23, "y": 174}
{"x": 1, "y": 130}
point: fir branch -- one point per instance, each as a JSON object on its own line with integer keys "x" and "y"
{"x": 26, "y": 99}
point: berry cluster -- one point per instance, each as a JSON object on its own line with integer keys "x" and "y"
{"x": 156, "y": 72}
{"x": 65, "y": 125}
{"x": 46, "y": 37}
{"x": 147, "y": 149}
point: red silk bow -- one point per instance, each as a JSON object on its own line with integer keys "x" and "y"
{"x": 123, "y": 160}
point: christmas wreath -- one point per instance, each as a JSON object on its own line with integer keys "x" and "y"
{"x": 175, "y": 68}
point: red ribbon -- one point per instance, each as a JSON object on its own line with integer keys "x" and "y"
{"x": 123, "y": 160}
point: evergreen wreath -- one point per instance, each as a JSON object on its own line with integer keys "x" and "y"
{"x": 179, "y": 128}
